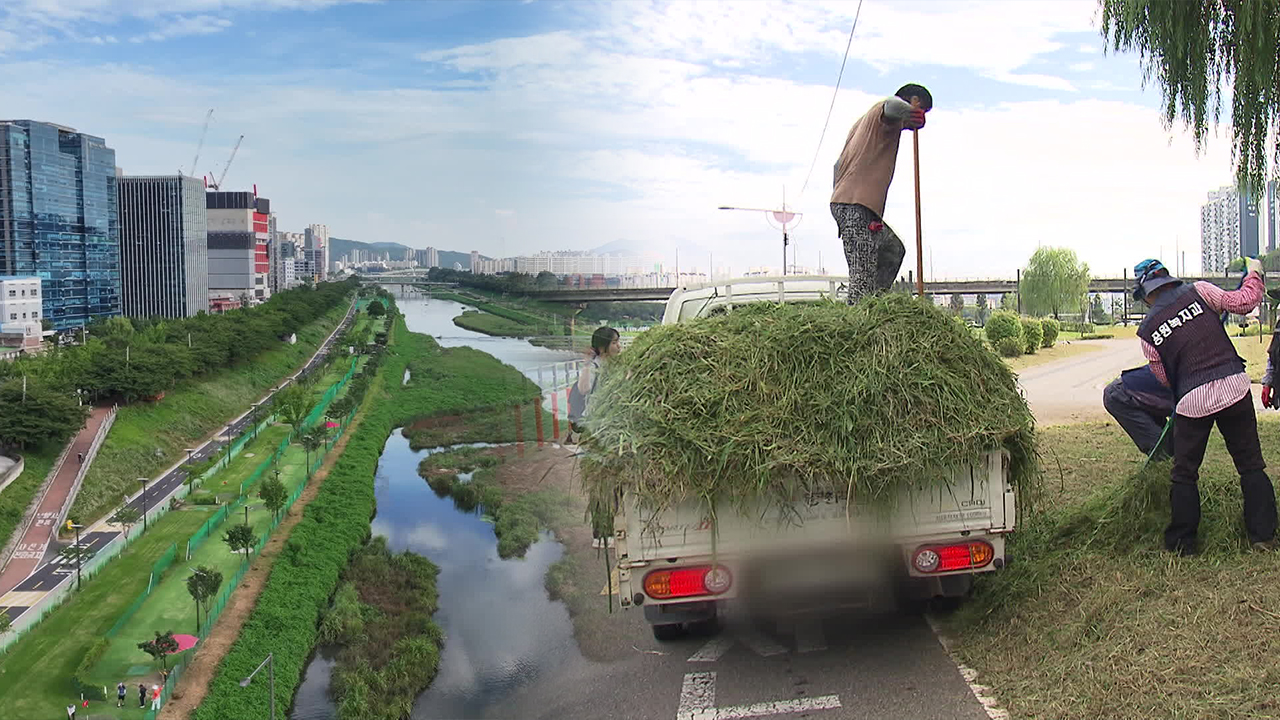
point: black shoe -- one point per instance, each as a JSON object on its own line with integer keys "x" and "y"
{"x": 1184, "y": 549}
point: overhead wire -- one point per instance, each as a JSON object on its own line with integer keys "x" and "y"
{"x": 827, "y": 122}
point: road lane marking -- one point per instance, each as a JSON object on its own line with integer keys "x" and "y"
{"x": 713, "y": 650}
{"x": 989, "y": 703}
{"x": 698, "y": 702}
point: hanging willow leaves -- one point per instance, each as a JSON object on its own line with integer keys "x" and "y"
{"x": 1192, "y": 48}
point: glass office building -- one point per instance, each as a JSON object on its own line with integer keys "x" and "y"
{"x": 59, "y": 218}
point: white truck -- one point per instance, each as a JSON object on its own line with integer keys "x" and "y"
{"x": 823, "y": 554}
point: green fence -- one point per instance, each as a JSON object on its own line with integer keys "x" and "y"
{"x": 215, "y": 610}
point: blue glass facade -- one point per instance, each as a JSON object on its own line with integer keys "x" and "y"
{"x": 59, "y": 218}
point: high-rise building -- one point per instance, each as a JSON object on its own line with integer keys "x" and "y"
{"x": 427, "y": 257}
{"x": 59, "y": 219}
{"x": 164, "y": 247}
{"x": 1228, "y": 229}
{"x": 239, "y": 257}
{"x": 475, "y": 261}
{"x": 317, "y": 246}
{"x": 20, "y": 308}
{"x": 286, "y": 250}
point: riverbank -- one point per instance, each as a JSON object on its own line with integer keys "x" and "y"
{"x": 442, "y": 381}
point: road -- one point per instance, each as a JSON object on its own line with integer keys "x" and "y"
{"x": 53, "y": 571}
{"x": 846, "y": 668}
{"x": 1070, "y": 390}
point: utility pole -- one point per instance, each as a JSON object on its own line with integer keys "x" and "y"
{"x": 144, "y": 503}
{"x": 783, "y": 216}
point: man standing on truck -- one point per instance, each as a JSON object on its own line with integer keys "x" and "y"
{"x": 1142, "y": 404}
{"x": 1183, "y": 339}
{"x": 861, "y": 189}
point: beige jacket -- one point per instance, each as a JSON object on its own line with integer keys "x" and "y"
{"x": 865, "y": 168}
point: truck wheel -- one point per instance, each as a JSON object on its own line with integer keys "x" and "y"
{"x": 667, "y": 633}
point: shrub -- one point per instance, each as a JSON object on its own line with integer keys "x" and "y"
{"x": 203, "y": 498}
{"x": 1084, "y": 328}
{"x": 1097, "y": 336}
{"x": 1000, "y": 325}
{"x": 91, "y": 691}
{"x": 1010, "y": 347}
{"x": 1032, "y": 334}
{"x": 1051, "y": 328}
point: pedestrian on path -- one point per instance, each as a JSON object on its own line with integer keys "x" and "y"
{"x": 80, "y": 458}
{"x": 142, "y": 695}
{"x": 71, "y": 711}
{"x": 155, "y": 697}
{"x": 120, "y": 690}
{"x": 1187, "y": 348}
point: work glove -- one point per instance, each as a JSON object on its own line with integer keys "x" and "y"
{"x": 915, "y": 119}
{"x": 1253, "y": 265}
{"x": 1266, "y": 396}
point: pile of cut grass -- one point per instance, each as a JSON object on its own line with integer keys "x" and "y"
{"x": 770, "y": 401}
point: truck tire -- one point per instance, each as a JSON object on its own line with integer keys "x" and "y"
{"x": 667, "y": 633}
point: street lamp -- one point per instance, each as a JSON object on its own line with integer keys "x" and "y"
{"x": 228, "y": 436}
{"x": 79, "y": 551}
{"x": 144, "y": 503}
{"x": 783, "y": 216}
{"x": 253, "y": 415}
{"x": 271, "y": 676}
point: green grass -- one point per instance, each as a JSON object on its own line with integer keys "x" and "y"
{"x": 169, "y": 606}
{"x": 494, "y": 325}
{"x": 185, "y": 416}
{"x": 18, "y": 494}
{"x": 1093, "y": 619}
{"x": 286, "y": 618}
{"x": 36, "y": 674}
{"x": 495, "y": 425}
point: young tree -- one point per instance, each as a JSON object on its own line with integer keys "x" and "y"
{"x": 980, "y": 302}
{"x": 127, "y": 517}
{"x": 376, "y": 309}
{"x": 203, "y": 585}
{"x": 5, "y": 622}
{"x": 160, "y": 647}
{"x": 240, "y": 538}
{"x": 292, "y": 405}
{"x": 313, "y": 440}
{"x": 1009, "y": 301}
{"x": 957, "y": 303}
{"x": 1055, "y": 280}
{"x": 1193, "y": 48}
{"x": 273, "y": 494}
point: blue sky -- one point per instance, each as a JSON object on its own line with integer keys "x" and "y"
{"x": 510, "y": 127}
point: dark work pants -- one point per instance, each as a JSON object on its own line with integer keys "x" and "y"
{"x": 1239, "y": 427}
{"x": 1143, "y": 424}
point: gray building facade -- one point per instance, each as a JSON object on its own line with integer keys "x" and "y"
{"x": 164, "y": 250}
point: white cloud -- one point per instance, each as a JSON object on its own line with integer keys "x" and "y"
{"x": 1081, "y": 67}
{"x": 184, "y": 26}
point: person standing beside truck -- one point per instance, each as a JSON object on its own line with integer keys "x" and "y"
{"x": 861, "y": 188}
{"x": 605, "y": 343}
{"x": 1188, "y": 349}
{"x": 1142, "y": 404}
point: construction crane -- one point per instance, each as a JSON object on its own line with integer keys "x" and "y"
{"x": 218, "y": 185}
{"x": 200, "y": 146}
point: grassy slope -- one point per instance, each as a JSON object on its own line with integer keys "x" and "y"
{"x": 1093, "y": 620}
{"x": 35, "y": 676}
{"x": 19, "y": 493}
{"x": 490, "y": 324}
{"x": 444, "y": 381}
{"x": 185, "y": 416}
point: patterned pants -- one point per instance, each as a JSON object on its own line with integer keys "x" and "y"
{"x": 872, "y": 249}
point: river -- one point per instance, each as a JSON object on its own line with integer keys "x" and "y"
{"x": 502, "y": 632}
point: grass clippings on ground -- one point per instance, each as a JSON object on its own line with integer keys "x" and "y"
{"x": 1093, "y": 619}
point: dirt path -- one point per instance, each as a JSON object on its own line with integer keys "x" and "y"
{"x": 194, "y": 684}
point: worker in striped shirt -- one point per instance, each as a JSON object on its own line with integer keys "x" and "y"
{"x": 1188, "y": 350}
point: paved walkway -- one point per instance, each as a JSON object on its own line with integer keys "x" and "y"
{"x": 32, "y": 547}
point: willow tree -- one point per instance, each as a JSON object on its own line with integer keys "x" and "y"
{"x": 1199, "y": 50}
{"x": 1055, "y": 281}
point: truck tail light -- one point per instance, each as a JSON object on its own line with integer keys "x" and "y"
{"x": 960, "y": 556}
{"x": 688, "y": 582}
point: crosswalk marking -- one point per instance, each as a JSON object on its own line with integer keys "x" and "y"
{"x": 698, "y": 702}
